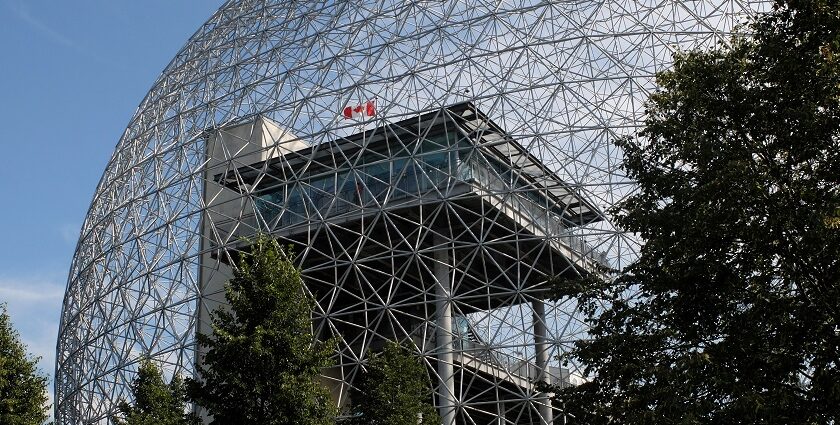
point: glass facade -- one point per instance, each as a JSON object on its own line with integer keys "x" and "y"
{"x": 422, "y": 166}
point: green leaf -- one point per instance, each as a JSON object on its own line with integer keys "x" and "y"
{"x": 262, "y": 363}
{"x": 23, "y": 389}
{"x": 730, "y": 314}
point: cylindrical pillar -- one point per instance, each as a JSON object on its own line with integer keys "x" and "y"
{"x": 500, "y": 407}
{"x": 443, "y": 320}
{"x": 541, "y": 350}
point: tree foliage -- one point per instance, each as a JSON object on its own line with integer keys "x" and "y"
{"x": 23, "y": 389}
{"x": 155, "y": 402}
{"x": 732, "y": 312}
{"x": 262, "y": 361}
{"x": 394, "y": 391}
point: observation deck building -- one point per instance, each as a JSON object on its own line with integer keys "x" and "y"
{"x": 415, "y": 231}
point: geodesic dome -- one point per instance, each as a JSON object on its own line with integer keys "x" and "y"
{"x": 532, "y": 92}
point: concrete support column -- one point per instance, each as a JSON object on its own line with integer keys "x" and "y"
{"x": 443, "y": 320}
{"x": 541, "y": 349}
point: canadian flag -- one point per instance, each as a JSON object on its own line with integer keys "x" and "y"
{"x": 365, "y": 110}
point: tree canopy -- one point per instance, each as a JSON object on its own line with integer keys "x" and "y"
{"x": 23, "y": 389}
{"x": 155, "y": 402}
{"x": 731, "y": 314}
{"x": 262, "y": 362}
{"x": 394, "y": 390}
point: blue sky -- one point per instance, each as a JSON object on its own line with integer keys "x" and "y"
{"x": 71, "y": 75}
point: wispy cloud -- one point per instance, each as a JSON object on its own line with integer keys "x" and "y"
{"x": 27, "y": 291}
{"x": 34, "y": 304}
{"x": 21, "y": 11}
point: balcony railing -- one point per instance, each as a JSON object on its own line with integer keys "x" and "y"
{"x": 540, "y": 216}
{"x": 373, "y": 190}
{"x": 466, "y": 343}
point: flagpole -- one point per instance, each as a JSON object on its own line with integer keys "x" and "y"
{"x": 363, "y": 110}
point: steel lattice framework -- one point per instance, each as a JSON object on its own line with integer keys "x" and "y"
{"x": 437, "y": 221}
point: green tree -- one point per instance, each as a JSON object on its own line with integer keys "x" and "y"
{"x": 394, "y": 391}
{"x": 155, "y": 402}
{"x": 23, "y": 389}
{"x": 262, "y": 362}
{"x": 732, "y": 312}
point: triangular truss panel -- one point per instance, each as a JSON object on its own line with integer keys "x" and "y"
{"x": 476, "y": 163}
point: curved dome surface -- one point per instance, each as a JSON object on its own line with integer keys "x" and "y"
{"x": 552, "y": 82}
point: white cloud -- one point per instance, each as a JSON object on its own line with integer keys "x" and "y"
{"x": 14, "y": 292}
{"x": 34, "y": 305}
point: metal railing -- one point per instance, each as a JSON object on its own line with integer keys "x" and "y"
{"x": 494, "y": 357}
{"x": 538, "y": 215}
{"x": 373, "y": 190}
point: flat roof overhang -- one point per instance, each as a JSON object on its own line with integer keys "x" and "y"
{"x": 522, "y": 257}
{"x": 464, "y": 118}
